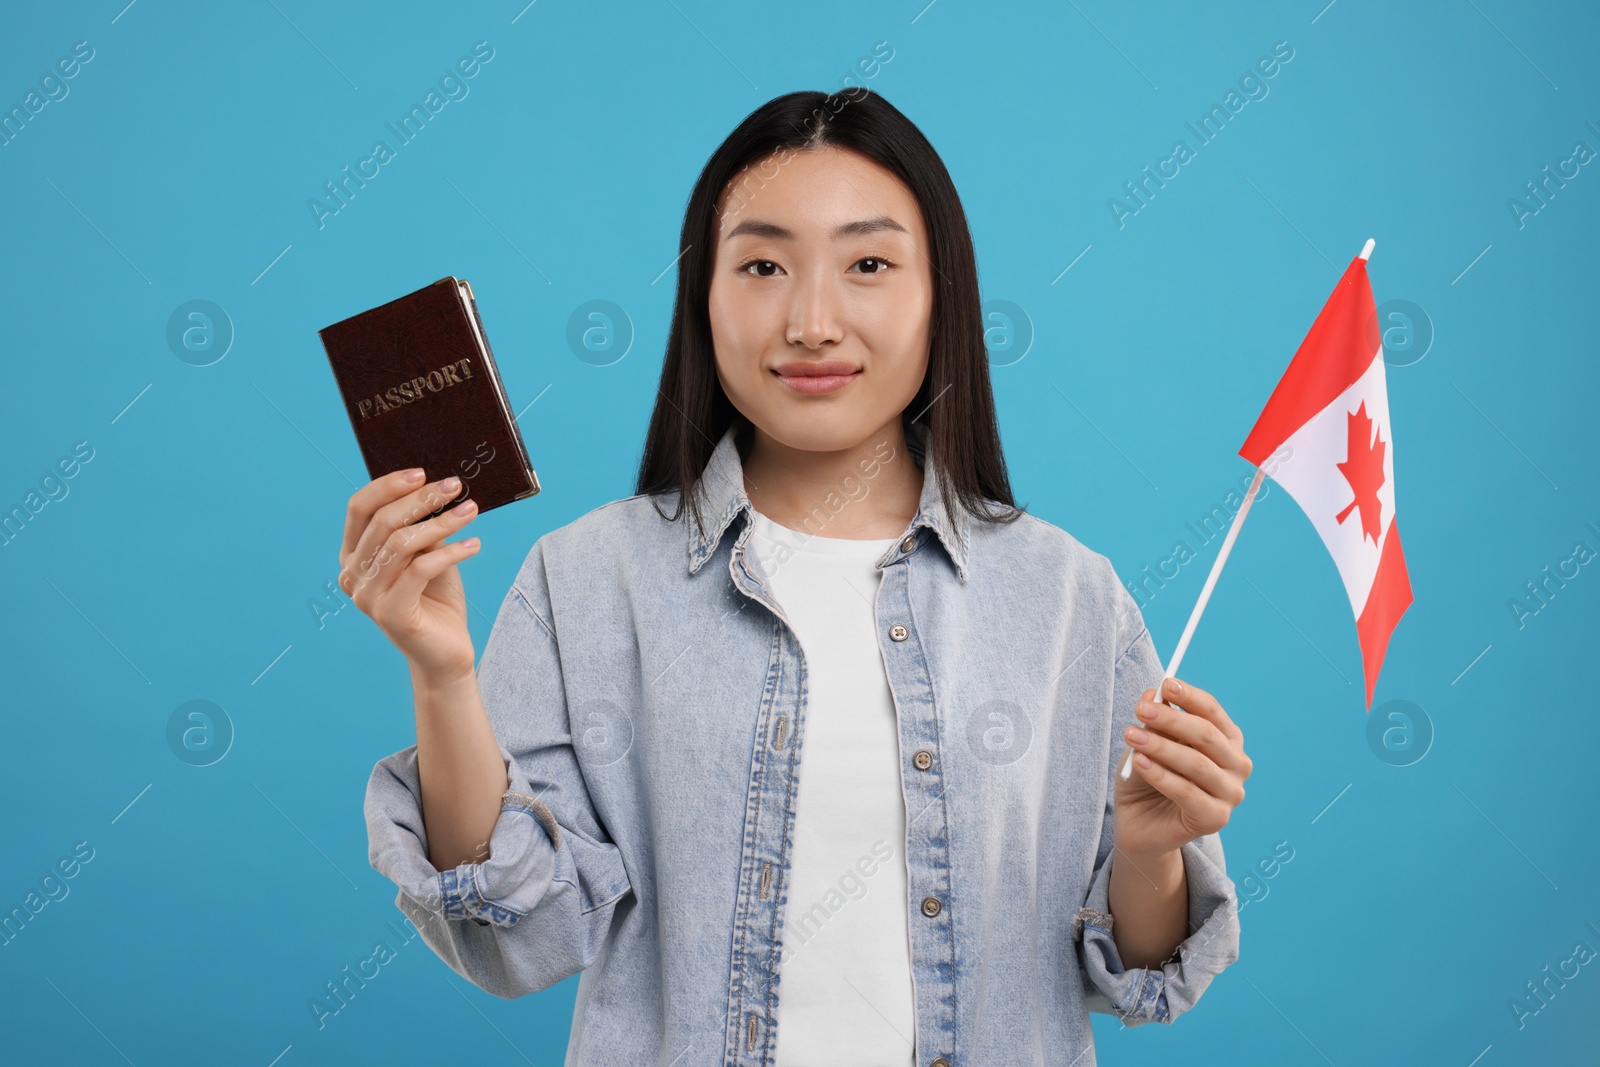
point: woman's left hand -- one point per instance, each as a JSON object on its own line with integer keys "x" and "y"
{"x": 1195, "y": 778}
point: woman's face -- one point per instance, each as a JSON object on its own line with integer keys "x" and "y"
{"x": 821, "y": 264}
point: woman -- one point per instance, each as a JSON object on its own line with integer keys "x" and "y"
{"x": 823, "y": 557}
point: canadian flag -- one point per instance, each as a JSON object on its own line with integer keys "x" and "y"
{"x": 1331, "y": 409}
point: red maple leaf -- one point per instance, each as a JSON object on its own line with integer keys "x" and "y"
{"x": 1363, "y": 469}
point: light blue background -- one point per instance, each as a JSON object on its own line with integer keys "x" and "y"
{"x": 181, "y": 564}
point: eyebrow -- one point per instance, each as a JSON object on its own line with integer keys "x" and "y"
{"x": 860, "y": 227}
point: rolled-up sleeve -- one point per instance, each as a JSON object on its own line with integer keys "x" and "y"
{"x": 539, "y": 907}
{"x": 1147, "y": 994}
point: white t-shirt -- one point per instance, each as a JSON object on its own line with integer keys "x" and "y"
{"x": 845, "y": 991}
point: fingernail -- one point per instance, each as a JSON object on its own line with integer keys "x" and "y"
{"x": 1147, "y": 711}
{"x": 1138, "y": 736}
{"x": 450, "y": 484}
{"x": 1175, "y": 685}
{"x": 414, "y": 474}
{"x": 1142, "y": 760}
{"x": 466, "y": 507}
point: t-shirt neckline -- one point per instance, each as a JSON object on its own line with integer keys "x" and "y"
{"x": 815, "y": 544}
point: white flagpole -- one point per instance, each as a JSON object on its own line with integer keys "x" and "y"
{"x": 1205, "y": 595}
{"x": 1211, "y": 579}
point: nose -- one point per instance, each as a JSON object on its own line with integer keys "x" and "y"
{"x": 814, "y": 317}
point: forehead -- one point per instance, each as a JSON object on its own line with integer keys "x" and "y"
{"x": 811, "y": 191}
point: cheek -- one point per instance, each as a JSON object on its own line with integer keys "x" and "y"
{"x": 897, "y": 332}
{"x": 730, "y": 319}
{"x": 736, "y": 336}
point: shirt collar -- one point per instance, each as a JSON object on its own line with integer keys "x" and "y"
{"x": 722, "y": 498}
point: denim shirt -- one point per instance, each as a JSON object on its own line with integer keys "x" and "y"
{"x": 649, "y": 699}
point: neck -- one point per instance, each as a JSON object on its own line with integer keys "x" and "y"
{"x": 868, "y": 491}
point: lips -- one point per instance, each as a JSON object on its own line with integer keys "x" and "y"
{"x": 815, "y": 378}
{"x": 820, "y": 369}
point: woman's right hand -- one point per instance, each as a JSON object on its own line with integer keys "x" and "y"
{"x": 399, "y": 572}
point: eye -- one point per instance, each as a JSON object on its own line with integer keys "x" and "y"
{"x": 744, "y": 268}
{"x": 879, "y": 264}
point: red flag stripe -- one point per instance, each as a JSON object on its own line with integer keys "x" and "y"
{"x": 1338, "y": 349}
{"x": 1388, "y": 600}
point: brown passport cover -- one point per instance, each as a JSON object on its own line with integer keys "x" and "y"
{"x": 422, "y": 391}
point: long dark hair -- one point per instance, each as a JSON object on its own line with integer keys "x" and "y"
{"x": 955, "y": 404}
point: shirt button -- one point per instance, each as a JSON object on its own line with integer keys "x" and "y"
{"x": 908, "y": 544}
{"x": 898, "y": 632}
{"x": 931, "y": 906}
{"x": 923, "y": 759}
{"x": 940, "y": 1062}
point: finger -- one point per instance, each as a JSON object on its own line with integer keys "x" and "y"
{"x": 395, "y": 556}
{"x": 394, "y": 515}
{"x": 365, "y": 502}
{"x": 1192, "y": 764}
{"x": 1193, "y": 730}
{"x": 1201, "y": 809}
{"x": 426, "y": 566}
{"x": 1197, "y": 701}
{"x": 1144, "y": 698}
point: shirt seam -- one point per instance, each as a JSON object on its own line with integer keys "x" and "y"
{"x": 528, "y": 604}
{"x": 1125, "y": 652}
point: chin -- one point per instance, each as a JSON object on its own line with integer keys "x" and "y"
{"x": 812, "y": 427}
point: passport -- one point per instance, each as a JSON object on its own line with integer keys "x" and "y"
{"x": 421, "y": 388}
